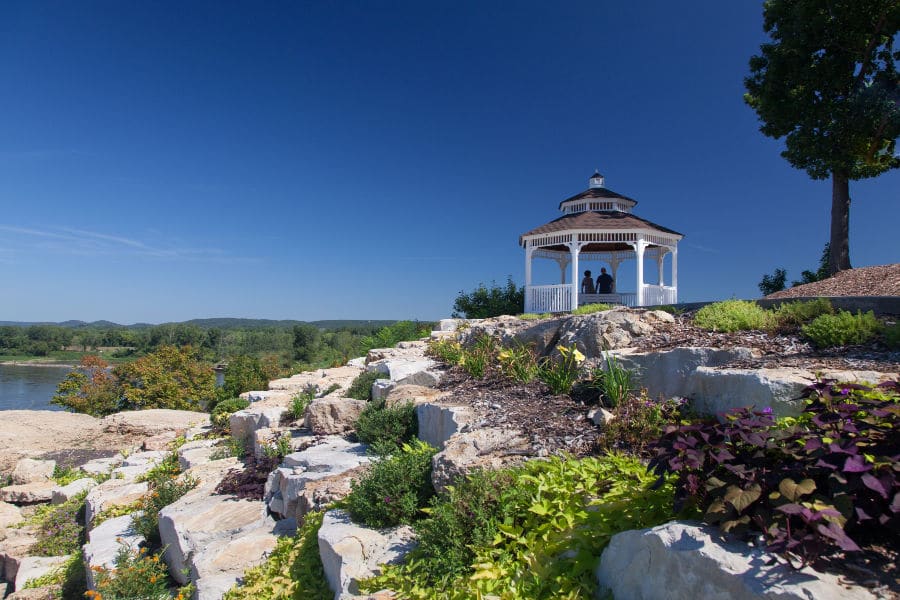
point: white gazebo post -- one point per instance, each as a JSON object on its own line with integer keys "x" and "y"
{"x": 563, "y": 265}
{"x": 614, "y": 267}
{"x": 639, "y": 251}
{"x": 675, "y": 271}
{"x": 529, "y": 255}
{"x": 574, "y": 250}
{"x": 660, "y": 257}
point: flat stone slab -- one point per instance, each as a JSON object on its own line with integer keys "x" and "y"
{"x": 28, "y": 493}
{"x": 153, "y": 422}
{"x": 113, "y": 492}
{"x": 10, "y": 514}
{"x": 437, "y": 423}
{"x": 63, "y": 493}
{"x": 351, "y": 552}
{"x": 102, "y": 466}
{"x": 104, "y": 543}
{"x": 32, "y": 567}
{"x": 244, "y": 422}
{"x": 13, "y": 549}
{"x": 30, "y": 470}
{"x": 684, "y": 560}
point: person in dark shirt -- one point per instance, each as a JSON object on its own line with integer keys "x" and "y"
{"x": 604, "y": 282}
{"x": 587, "y": 284}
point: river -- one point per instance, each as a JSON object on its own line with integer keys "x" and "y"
{"x": 26, "y": 387}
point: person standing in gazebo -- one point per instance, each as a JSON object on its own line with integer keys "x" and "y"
{"x": 604, "y": 282}
{"x": 587, "y": 284}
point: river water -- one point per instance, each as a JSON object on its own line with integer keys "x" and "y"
{"x": 26, "y": 387}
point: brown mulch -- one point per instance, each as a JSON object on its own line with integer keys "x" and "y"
{"x": 881, "y": 280}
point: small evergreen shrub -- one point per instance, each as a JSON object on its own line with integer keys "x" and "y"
{"x": 842, "y": 329}
{"x": 588, "y": 309}
{"x": 387, "y": 429}
{"x": 396, "y": 488}
{"x": 361, "y": 388}
{"x": 732, "y": 315}
{"x": 791, "y": 315}
{"x": 892, "y": 336}
{"x": 293, "y": 570}
{"x": 224, "y": 409}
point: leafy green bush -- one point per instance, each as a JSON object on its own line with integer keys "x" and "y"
{"x": 448, "y": 350}
{"x": 161, "y": 494}
{"x": 587, "y": 309}
{"x": 518, "y": 362}
{"x": 66, "y": 475}
{"x": 552, "y": 520}
{"x": 791, "y": 315}
{"x": 401, "y": 331}
{"x": 396, "y": 488}
{"x": 59, "y": 527}
{"x": 560, "y": 374}
{"x": 361, "y": 388}
{"x": 484, "y": 302}
{"x": 732, "y": 315}
{"x": 638, "y": 422}
{"x": 892, "y": 336}
{"x": 224, "y": 410}
{"x": 810, "y": 489}
{"x": 293, "y": 570}
{"x": 247, "y": 373}
{"x": 280, "y": 448}
{"x": 137, "y": 574}
{"x": 478, "y": 359}
{"x": 387, "y": 429}
{"x": 300, "y": 401}
{"x": 841, "y": 329}
{"x": 614, "y": 383}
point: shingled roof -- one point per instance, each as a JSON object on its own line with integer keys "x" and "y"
{"x": 598, "y": 192}
{"x": 598, "y": 220}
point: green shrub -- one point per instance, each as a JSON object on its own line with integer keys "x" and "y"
{"x": 247, "y": 373}
{"x": 560, "y": 374}
{"x": 614, "y": 383}
{"x": 66, "y": 475}
{"x": 281, "y": 447}
{"x": 732, "y": 315}
{"x": 59, "y": 527}
{"x": 300, "y": 401}
{"x": 396, "y": 488}
{"x": 137, "y": 574}
{"x": 478, "y": 359}
{"x": 485, "y": 302}
{"x": 841, "y": 329}
{"x": 387, "y": 429}
{"x": 791, "y": 315}
{"x": 162, "y": 493}
{"x": 587, "y": 309}
{"x": 638, "y": 422}
{"x": 293, "y": 570}
{"x": 164, "y": 470}
{"x": 519, "y": 362}
{"x": 556, "y": 518}
{"x": 224, "y": 410}
{"x": 361, "y": 388}
{"x": 447, "y": 350}
{"x": 892, "y": 336}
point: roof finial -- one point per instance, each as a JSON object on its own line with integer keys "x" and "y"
{"x": 597, "y": 180}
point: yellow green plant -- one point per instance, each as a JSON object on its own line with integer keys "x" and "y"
{"x": 518, "y": 362}
{"x": 560, "y": 374}
{"x": 587, "y": 309}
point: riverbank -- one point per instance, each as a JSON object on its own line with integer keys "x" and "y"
{"x": 36, "y": 363}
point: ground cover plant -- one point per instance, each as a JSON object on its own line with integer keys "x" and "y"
{"x": 841, "y": 329}
{"x": 137, "y": 574}
{"x": 66, "y": 581}
{"x": 535, "y": 531}
{"x": 586, "y": 309}
{"x": 386, "y": 429}
{"x": 825, "y": 484}
{"x": 732, "y": 315}
{"x": 59, "y": 527}
{"x": 293, "y": 570}
{"x": 395, "y": 489}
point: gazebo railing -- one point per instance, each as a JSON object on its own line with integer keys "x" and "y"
{"x": 548, "y": 298}
{"x": 625, "y": 298}
{"x": 660, "y": 294}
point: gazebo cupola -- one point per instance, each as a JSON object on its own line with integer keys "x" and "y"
{"x": 598, "y": 226}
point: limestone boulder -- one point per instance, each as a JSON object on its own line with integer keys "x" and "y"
{"x": 161, "y": 441}
{"x": 197, "y": 456}
{"x": 417, "y": 394}
{"x": 319, "y": 380}
{"x": 153, "y": 422}
{"x": 381, "y": 388}
{"x": 105, "y": 541}
{"x": 64, "y": 493}
{"x": 10, "y": 514}
{"x": 113, "y": 492}
{"x": 244, "y": 422}
{"x": 102, "y": 466}
{"x": 189, "y": 525}
{"x": 488, "y": 448}
{"x": 411, "y": 371}
{"x": 32, "y": 567}
{"x": 438, "y": 422}
{"x": 39, "y": 593}
{"x": 29, "y": 470}
{"x": 28, "y": 493}
{"x": 450, "y": 324}
{"x": 684, "y": 560}
{"x": 329, "y": 416}
{"x": 351, "y": 553}
{"x": 282, "y": 397}
{"x": 14, "y": 548}
{"x": 607, "y": 330}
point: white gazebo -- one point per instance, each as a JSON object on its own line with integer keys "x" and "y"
{"x": 598, "y": 226}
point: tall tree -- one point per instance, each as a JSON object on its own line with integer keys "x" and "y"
{"x": 827, "y": 82}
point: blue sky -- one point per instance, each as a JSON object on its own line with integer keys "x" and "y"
{"x": 164, "y": 161}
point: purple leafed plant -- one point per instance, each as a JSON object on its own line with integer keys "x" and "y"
{"x": 826, "y": 481}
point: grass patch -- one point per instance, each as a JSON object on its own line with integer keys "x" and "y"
{"x": 588, "y": 309}
{"x": 842, "y": 329}
{"x": 733, "y": 315}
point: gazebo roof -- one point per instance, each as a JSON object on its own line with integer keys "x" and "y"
{"x": 597, "y": 192}
{"x": 598, "y": 220}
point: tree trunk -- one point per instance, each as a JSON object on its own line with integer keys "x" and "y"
{"x": 839, "y": 259}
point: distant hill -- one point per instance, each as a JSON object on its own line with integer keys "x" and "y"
{"x": 216, "y": 323}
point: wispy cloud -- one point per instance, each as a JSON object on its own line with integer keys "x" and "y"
{"x": 81, "y": 242}
{"x": 701, "y": 248}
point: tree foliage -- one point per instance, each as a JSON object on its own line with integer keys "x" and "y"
{"x": 90, "y": 388}
{"x": 246, "y": 373}
{"x": 486, "y": 302}
{"x": 827, "y": 82}
{"x": 168, "y": 378}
